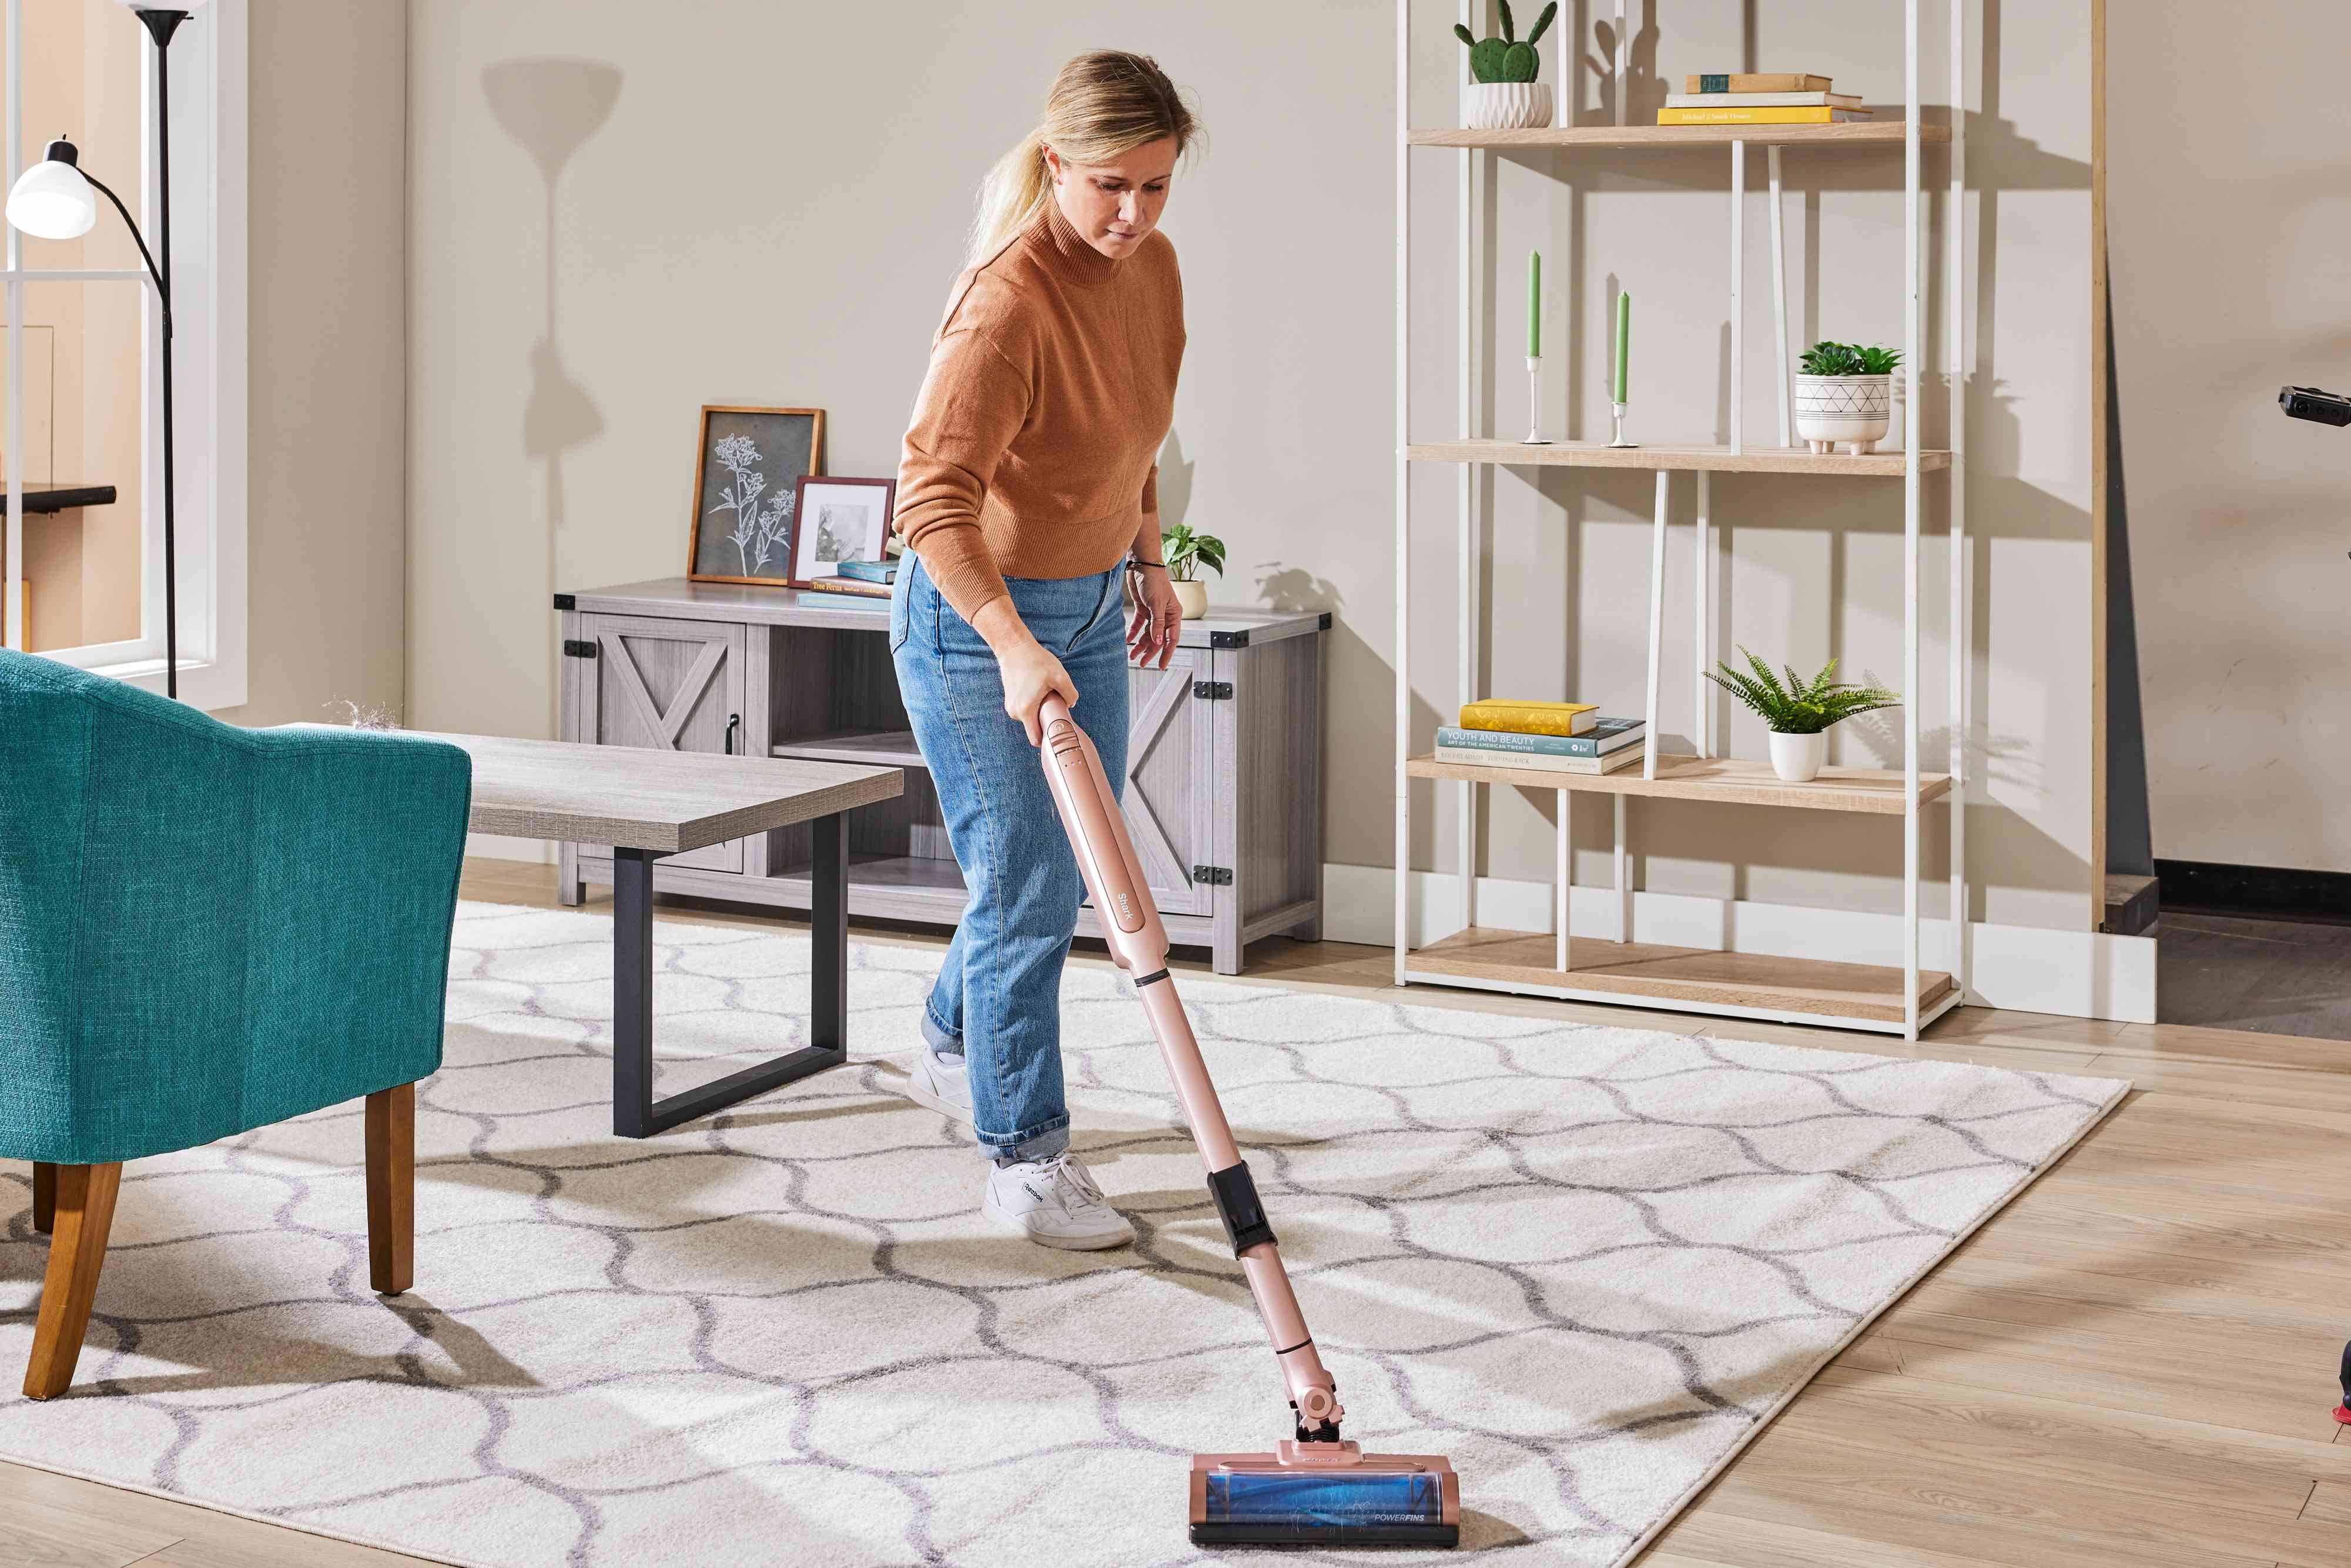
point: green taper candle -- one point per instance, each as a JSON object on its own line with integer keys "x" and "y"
{"x": 1534, "y": 304}
{"x": 1624, "y": 339}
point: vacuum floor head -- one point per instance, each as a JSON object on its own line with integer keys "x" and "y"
{"x": 1325, "y": 1494}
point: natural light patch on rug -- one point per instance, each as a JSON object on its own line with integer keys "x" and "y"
{"x": 1584, "y": 1262}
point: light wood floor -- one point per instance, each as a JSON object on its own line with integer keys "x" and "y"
{"x": 2134, "y": 1363}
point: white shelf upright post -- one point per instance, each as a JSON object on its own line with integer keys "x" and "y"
{"x": 1403, "y": 889}
{"x": 1962, "y": 631}
{"x": 1702, "y": 622}
{"x": 1738, "y": 310}
{"x": 13, "y": 630}
{"x": 1624, "y": 62}
{"x": 1465, "y": 504}
{"x": 1780, "y": 369}
{"x": 1910, "y": 261}
{"x": 1657, "y": 622}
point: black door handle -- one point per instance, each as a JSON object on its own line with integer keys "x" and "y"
{"x": 734, "y": 721}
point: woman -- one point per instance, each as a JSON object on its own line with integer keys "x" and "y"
{"x": 1027, "y": 491}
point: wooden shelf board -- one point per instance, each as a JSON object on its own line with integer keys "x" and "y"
{"x": 1676, "y": 456}
{"x": 1722, "y": 779}
{"x": 880, "y": 747}
{"x": 916, "y": 873}
{"x": 1694, "y": 976}
{"x": 1851, "y": 133}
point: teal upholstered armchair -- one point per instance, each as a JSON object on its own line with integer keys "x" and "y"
{"x": 204, "y": 930}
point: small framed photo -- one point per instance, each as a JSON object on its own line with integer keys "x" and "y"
{"x": 836, "y": 520}
{"x": 748, "y": 466}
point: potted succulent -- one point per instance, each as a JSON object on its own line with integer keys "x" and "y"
{"x": 1844, "y": 396}
{"x": 1186, "y": 553}
{"x": 1800, "y": 712}
{"x": 1505, "y": 96}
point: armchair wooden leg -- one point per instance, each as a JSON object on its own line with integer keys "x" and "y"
{"x": 85, "y": 1212}
{"x": 392, "y": 1187}
{"x": 45, "y": 1196}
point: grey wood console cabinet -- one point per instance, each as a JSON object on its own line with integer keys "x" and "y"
{"x": 1224, "y": 753}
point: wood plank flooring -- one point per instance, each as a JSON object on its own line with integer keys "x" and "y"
{"x": 2133, "y": 1364}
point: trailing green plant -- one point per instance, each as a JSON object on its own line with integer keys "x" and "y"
{"x": 1506, "y": 58}
{"x": 1186, "y": 552}
{"x": 1800, "y": 706}
{"x": 1827, "y": 359}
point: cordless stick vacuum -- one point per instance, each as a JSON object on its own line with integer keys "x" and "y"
{"x": 1315, "y": 1488}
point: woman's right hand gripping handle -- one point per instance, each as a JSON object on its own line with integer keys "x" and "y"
{"x": 1029, "y": 669}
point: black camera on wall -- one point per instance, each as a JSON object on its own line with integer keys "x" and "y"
{"x": 2309, "y": 402}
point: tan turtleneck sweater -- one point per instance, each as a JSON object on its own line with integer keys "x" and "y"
{"x": 1053, "y": 382}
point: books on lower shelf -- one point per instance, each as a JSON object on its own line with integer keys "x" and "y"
{"x": 1605, "y": 738}
{"x": 1543, "y": 762}
{"x": 1740, "y": 116}
{"x": 1753, "y": 82}
{"x": 1764, "y": 100}
{"x": 1529, "y": 717}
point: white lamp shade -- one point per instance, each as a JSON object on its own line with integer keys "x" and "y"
{"x": 52, "y": 201}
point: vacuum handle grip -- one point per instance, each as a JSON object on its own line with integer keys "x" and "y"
{"x": 1088, "y": 811}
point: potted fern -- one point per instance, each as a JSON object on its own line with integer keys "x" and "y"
{"x": 1800, "y": 712}
{"x": 1844, "y": 396}
{"x": 1186, "y": 553}
{"x": 1505, "y": 96}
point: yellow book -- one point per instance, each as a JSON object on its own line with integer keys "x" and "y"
{"x": 1529, "y": 718}
{"x": 1824, "y": 115}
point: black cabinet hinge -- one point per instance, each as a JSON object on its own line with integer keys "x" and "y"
{"x": 567, "y": 602}
{"x": 1213, "y": 875}
{"x": 1213, "y": 690}
{"x": 573, "y": 648}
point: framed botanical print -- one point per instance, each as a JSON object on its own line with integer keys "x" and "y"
{"x": 748, "y": 464}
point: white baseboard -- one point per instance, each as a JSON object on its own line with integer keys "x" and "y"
{"x": 2081, "y": 974}
{"x": 498, "y": 847}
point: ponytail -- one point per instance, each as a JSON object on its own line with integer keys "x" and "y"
{"x": 1010, "y": 198}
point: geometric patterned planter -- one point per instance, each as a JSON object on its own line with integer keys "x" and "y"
{"x": 1851, "y": 411}
{"x": 1505, "y": 104}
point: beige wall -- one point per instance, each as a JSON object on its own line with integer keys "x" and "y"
{"x": 2229, "y": 235}
{"x": 717, "y": 203}
{"x": 327, "y": 355}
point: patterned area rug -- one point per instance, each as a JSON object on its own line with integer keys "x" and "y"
{"x": 1584, "y": 1262}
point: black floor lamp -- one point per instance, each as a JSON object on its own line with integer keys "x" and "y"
{"x": 54, "y": 200}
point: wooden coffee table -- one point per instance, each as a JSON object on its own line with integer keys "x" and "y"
{"x": 648, "y": 804}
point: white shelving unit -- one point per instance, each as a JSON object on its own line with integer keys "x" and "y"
{"x": 1881, "y": 997}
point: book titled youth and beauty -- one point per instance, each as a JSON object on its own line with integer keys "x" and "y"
{"x": 1606, "y": 735}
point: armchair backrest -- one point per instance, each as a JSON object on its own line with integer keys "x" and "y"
{"x": 205, "y": 929}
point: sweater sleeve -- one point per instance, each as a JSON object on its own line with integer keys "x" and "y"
{"x": 972, "y": 402}
{"x": 1151, "y": 490}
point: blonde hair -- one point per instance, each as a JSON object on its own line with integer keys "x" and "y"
{"x": 1103, "y": 104}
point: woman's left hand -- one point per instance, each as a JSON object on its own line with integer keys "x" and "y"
{"x": 1158, "y": 621}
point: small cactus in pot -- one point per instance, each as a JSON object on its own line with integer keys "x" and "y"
{"x": 1505, "y": 94}
{"x": 1844, "y": 396}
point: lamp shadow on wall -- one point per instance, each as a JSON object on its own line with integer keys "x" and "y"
{"x": 551, "y": 107}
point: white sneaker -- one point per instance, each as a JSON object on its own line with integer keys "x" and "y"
{"x": 941, "y": 1083}
{"x": 1054, "y": 1203}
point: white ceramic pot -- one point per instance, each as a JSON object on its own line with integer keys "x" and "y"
{"x": 1798, "y": 757}
{"x": 1852, "y": 412}
{"x": 1505, "y": 104}
{"x": 1194, "y": 599}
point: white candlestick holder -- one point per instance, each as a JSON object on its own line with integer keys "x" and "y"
{"x": 1535, "y": 437}
{"x": 1618, "y": 438}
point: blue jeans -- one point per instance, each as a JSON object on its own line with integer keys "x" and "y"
{"x": 997, "y": 999}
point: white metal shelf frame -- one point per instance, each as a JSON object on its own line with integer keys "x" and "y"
{"x": 1706, "y": 576}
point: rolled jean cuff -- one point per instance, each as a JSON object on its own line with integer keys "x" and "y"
{"x": 1041, "y": 1143}
{"x": 941, "y": 1039}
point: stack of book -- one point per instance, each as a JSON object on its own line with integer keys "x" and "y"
{"x": 862, "y": 584}
{"x": 1552, "y": 738}
{"x": 1735, "y": 99}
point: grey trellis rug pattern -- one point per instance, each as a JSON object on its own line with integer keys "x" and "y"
{"x": 1584, "y": 1262}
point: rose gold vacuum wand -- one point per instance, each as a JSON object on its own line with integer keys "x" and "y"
{"x": 1316, "y": 1487}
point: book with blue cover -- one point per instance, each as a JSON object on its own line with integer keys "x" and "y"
{"x": 869, "y": 570}
{"x": 1604, "y": 736}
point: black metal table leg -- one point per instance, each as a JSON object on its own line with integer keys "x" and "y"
{"x": 635, "y": 1113}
